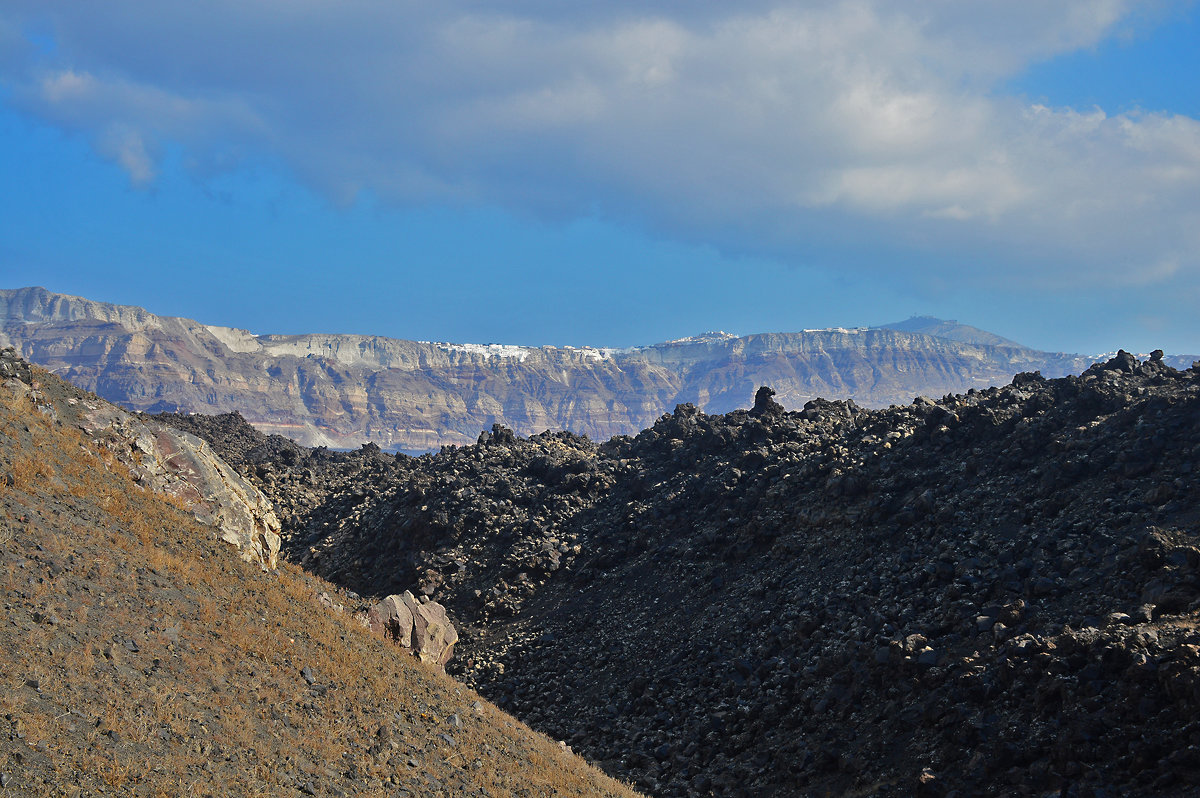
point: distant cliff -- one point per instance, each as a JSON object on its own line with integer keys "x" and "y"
{"x": 343, "y": 390}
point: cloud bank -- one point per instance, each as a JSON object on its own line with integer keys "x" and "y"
{"x": 782, "y": 128}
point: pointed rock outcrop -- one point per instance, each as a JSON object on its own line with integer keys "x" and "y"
{"x": 162, "y": 458}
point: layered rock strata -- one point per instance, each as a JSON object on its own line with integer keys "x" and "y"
{"x": 345, "y": 390}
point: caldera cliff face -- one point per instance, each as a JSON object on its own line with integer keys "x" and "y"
{"x": 345, "y": 390}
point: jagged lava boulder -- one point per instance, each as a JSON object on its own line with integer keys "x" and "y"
{"x": 419, "y": 625}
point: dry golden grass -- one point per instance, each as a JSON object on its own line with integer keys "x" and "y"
{"x": 173, "y": 667}
{"x": 29, "y": 472}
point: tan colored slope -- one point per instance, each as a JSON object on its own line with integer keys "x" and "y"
{"x": 140, "y": 656}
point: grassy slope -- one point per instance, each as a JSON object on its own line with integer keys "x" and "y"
{"x": 140, "y": 656}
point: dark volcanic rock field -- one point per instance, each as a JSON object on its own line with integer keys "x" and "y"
{"x": 994, "y": 593}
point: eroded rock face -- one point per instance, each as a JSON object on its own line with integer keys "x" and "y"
{"x": 409, "y": 623}
{"x": 392, "y": 619}
{"x": 166, "y": 460}
{"x": 183, "y": 466}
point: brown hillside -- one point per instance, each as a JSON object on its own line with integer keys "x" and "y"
{"x": 140, "y": 656}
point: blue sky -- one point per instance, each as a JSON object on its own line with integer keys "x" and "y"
{"x": 611, "y": 174}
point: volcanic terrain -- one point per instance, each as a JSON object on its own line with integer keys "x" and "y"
{"x": 991, "y": 593}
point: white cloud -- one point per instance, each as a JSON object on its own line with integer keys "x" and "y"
{"x": 750, "y": 125}
{"x": 127, "y": 147}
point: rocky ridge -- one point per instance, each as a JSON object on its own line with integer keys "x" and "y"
{"x": 161, "y": 457}
{"x": 991, "y": 593}
{"x": 346, "y": 390}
